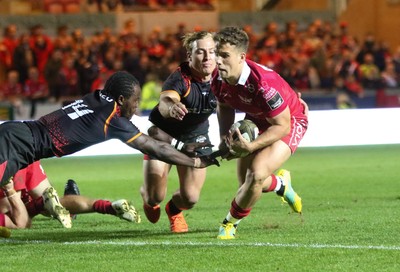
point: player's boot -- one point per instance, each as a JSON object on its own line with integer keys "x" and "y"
{"x": 227, "y": 231}
{"x": 71, "y": 188}
{"x": 152, "y": 213}
{"x": 177, "y": 222}
{"x": 53, "y": 206}
{"x": 5, "y": 232}
{"x": 289, "y": 195}
{"x": 126, "y": 211}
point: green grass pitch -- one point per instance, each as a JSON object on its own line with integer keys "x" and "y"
{"x": 351, "y": 220}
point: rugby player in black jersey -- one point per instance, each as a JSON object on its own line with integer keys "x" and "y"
{"x": 97, "y": 117}
{"x": 185, "y": 105}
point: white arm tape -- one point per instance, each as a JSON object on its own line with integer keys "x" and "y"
{"x": 177, "y": 144}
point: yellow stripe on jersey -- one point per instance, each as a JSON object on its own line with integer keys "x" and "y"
{"x": 107, "y": 123}
{"x": 134, "y": 137}
{"x": 187, "y": 92}
{"x": 170, "y": 91}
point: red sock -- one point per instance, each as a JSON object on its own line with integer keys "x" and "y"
{"x": 2, "y": 220}
{"x": 104, "y": 206}
{"x": 238, "y": 212}
{"x": 34, "y": 206}
{"x": 272, "y": 187}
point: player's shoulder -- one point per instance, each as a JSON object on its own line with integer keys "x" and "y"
{"x": 263, "y": 74}
{"x": 179, "y": 80}
{"x": 181, "y": 72}
{"x": 260, "y": 69}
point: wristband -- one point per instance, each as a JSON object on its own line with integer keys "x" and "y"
{"x": 197, "y": 163}
{"x": 177, "y": 144}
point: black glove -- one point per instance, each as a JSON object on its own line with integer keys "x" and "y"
{"x": 208, "y": 160}
{"x": 190, "y": 148}
{"x": 223, "y": 152}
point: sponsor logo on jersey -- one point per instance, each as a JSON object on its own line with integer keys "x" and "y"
{"x": 201, "y": 139}
{"x": 245, "y": 100}
{"x": 268, "y": 93}
{"x": 275, "y": 102}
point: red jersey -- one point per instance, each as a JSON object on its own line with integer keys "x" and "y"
{"x": 260, "y": 93}
{"x": 28, "y": 178}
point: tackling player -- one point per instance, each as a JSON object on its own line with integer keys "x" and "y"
{"x": 274, "y": 107}
{"x": 97, "y": 117}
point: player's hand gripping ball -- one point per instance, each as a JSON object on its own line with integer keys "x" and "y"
{"x": 249, "y": 132}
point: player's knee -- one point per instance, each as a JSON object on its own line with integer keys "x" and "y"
{"x": 190, "y": 200}
{"x": 255, "y": 179}
{"x": 155, "y": 199}
{"x": 22, "y": 224}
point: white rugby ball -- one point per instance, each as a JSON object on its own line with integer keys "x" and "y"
{"x": 249, "y": 131}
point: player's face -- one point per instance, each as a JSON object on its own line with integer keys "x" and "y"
{"x": 202, "y": 58}
{"x": 230, "y": 62}
{"x": 130, "y": 105}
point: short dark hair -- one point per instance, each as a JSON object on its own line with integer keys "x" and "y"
{"x": 234, "y": 36}
{"x": 120, "y": 83}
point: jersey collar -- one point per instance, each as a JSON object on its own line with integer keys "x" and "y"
{"x": 245, "y": 74}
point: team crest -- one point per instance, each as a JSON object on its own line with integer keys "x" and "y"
{"x": 250, "y": 88}
{"x": 201, "y": 139}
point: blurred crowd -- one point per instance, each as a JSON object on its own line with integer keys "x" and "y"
{"x": 35, "y": 67}
{"x": 109, "y": 5}
{"x": 76, "y": 6}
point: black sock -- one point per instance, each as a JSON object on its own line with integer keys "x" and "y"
{"x": 281, "y": 190}
{"x": 174, "y": 210}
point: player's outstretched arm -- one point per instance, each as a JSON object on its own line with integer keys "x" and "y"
{"x": 167, "y": 153}
{"x": 187, "y": 148}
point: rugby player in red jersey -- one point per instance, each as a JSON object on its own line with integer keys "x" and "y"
{"x": 274, "y": 107}
{"x": 39, "y": 197}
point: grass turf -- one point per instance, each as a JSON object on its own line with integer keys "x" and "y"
{"x": 351, "y": 198}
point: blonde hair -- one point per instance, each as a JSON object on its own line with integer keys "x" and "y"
{"x": 189, "y": 39}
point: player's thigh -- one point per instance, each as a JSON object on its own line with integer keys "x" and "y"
{"x": 39, "y": 189}
{"x": 270, "y": 159}
{"x": 155, "y": 174}
{"x": 259, "y": 166}
{"x": 191, "y": 180}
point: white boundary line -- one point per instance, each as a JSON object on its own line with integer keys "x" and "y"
{"x": 216, "y": 244}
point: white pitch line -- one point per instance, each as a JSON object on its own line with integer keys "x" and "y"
{"x": 214, "y": 244}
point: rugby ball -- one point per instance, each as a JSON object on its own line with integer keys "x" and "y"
{"x": 249, "y": 131}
